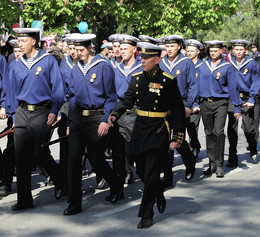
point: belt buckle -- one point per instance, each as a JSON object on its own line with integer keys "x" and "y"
{"x": 241, "y": 94}
{"x": 210, "y": 100}
{"x": 146, "y": 113}
{"x": 85, "y": 112}
{"x": 31, "y": 107}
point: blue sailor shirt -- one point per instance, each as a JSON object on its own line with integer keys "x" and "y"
{"x": 94, "y": 89}
{"x": 122, "y": 78}
{"x": 38, "y": 83}
{"x": 184, "y": 70}
{"x": 3, "y": 80}
{"x": 247, "y": 77}
{"x": 219, "y": 82}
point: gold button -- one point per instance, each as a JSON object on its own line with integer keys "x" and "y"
{"x": 137, "y": 100}
{"x": 154, "y": 108}
{"x": 164, "y": 80}
{"x": 137, "y": 78}
{"x": 161, "y": 87}
{"x": 156, "y": 101}
{"x": 137, "y": 92}
{"x": 136, "y": 85}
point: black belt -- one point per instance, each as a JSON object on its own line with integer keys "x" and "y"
{"x": 87, "y": 112}
{"x": 33, "y": 107}
{"x": 211, "y": 99}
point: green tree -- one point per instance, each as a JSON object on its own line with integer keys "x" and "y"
{"x": 163, "y": 17}
{"x": 9, "y": 14}
{"x": 244, "y": 25}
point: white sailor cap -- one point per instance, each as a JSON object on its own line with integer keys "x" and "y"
{"x": 194, "y": 43}
{"x": 81, "y": 39}
{"x": 14, "y": 43}
{"x": 173, "y": 39}
{"x": 128, "y": 39}
{"x": 215, "y": 43}
{"x": 68, "y": 38}
{"x": 240, "y": 42}
{"x": 149, "y": 49}
{"x": 114, "y": 38}
{"x": 28, "y": 32}
{"x": 147, "y": 38}
{"x": 106, "y": 45}
{"x": 160, "y": 41}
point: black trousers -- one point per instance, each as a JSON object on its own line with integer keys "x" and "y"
{"x": 248, "y": 126}
{"x": 31, "y": 131}
{"x": 118, "y": 145}
{"x": 83, "y": 133}
{"x": 64, "y": 146}
{"x": 192, "y": 129}
{"x": 8, "y": 157}
{"x": 148, "y": 167}
{"x": 256, "y": 117}
{"x": 214, "y": 117}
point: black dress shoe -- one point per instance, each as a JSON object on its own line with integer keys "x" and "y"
{"x": 161, "y": 203}
{"x": 220, "y": 172}
{"x": 108, "y": 198}
{"x": 115, "y": 197}
{"x": 231, "y": 165}
{"x": 58, "y": 192}
{"x": 72, "y": 210}
{"x": 207, "y": 172}
{"x": 18, "y": 207}
{"x": 145, "y": 223}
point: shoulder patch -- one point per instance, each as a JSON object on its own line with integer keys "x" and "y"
{"x": 168, "y": 75}
{"x": 138, "y": 73}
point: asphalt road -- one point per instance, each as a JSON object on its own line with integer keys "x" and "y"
{"x": 204, "y": 207}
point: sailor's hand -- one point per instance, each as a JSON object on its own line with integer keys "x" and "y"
{"x": 103, "y": 129}
{"x": 51, "y": 119}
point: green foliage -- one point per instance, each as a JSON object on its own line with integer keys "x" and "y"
{"x": 9, "y": 13}
{"x": 244, "y": 25}
{"x": 152, "y": 17}
{"x": 164, "y": 17}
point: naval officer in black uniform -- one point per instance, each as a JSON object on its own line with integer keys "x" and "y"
{"x": 159, "y": 109}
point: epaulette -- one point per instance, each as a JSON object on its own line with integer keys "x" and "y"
{"x": 138, "y": 73}
{"x": 168, "y": 75}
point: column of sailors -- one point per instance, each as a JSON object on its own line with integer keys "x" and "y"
{"x": 85, "y": 89}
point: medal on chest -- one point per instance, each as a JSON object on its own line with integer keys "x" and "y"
{"x": 93, "y": 77}
{"x": 245, "y": 71}
{"x": 218, "y": 75}
{"x": 38, "y": 70}
{"x": 155, "y": 88}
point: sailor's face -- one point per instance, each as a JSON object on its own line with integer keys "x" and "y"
{"x": 239, "y": 52}
{"x": 26, "y": 44}
{"x": 83, "y": 52}
{"x": 127, "y": 51}
{"x": 192, "y": 52}
{"x": 215, "y": 53}
{"x": 73, "y": 51}
{"x": 116, "y": 49}
{"x": 172, "y": 49}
